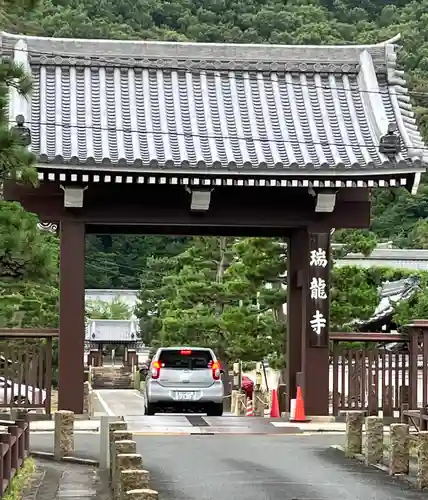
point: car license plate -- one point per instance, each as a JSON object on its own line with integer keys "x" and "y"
{"x": 185, "y": 396}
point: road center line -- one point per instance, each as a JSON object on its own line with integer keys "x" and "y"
{"x": 105, "y": 406}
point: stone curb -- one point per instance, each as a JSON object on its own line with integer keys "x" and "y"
{"x": 337, "y": 432}
{"x": 43, "y": 417}
{"x": 72, "y": 460}
{"x": 401, "y": 477}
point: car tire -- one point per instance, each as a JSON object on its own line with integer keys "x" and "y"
{"x": 150, "y": 409}
{"x": 215, "y": 410}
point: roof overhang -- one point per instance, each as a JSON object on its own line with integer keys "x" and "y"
{"x": 241, "y": 114}
{"x": 84, "y": 174}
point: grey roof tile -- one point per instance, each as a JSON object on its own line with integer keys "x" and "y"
{"x": 215, "y": 107}
{"x": 391, "y": 293}
{"x": 98, "y": 330}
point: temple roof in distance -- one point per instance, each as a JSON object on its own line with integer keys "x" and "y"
{"x": 296, "y": 114}
{"x": 391, "y": 293}
{"x": 112, "y": 330}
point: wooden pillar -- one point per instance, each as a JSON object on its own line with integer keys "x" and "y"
{"x": 315, "y": 352}
{"x": 418, "y": 334}
{"x": 72, "y": 316}
{"x": 297, "y": 251}
{"x": 308, "y": 330}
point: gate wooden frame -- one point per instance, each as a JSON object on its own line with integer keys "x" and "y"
{"x": 35, "y": 367}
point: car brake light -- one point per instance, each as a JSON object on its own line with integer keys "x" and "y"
{"x": 156, "y": 366}
{"x": 186, "y": 352}
{"x": 215, "y": 367}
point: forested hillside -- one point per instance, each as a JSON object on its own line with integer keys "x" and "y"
{"x": 396, "y": 214}
{"x": 120, "y": 262}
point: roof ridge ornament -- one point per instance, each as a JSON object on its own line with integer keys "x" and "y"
{"x": 21, "y": 132}
{"x": 390, "y": 143}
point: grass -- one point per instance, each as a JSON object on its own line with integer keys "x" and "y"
{"x": 20, "y": 481}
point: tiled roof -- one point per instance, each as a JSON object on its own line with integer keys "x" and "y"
{"x": 397, "y": 258}
{"x": 106, "y": 330}
{"x": 216, "y": 108}
{"x": 391, "y": 294}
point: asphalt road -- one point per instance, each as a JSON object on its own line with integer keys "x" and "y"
{"x": 252, "y": 468}
{"x": 119, "y": 402}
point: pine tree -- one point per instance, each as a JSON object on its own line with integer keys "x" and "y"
{"x": 26, "y": 254}
{"x": 213, "y": 302}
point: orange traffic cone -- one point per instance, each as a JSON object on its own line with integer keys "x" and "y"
{"x": 274, "y": 410}
{"x": 250, "y": 411}
{"x": 299, "y": 415}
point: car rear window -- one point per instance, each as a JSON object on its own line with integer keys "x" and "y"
{"x": 185, "y": 358}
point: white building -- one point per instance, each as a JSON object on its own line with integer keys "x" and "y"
{"x": 384, "y": 255}
{"x": 128, "y": 297}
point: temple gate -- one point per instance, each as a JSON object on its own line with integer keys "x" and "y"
{"x": 211, "y": 139}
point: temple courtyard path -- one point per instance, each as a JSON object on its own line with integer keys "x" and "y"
{"x": 269, "y": 467}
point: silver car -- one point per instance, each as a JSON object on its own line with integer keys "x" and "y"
{"x": 184, "y": 378}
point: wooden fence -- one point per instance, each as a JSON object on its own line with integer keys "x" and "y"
{"x": 26, "y": 368}
{"x": 372, "y": 378}
{"x": 14, "y": 449}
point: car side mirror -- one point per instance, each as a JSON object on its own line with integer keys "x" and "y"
{"x": 222, "y": 372}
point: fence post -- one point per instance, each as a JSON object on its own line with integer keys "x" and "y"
{"x": 233, "y": 398}
{"x": 119, "y": 437}
{"x": 354, "y": 433}
{"x": 5, "y": 439}
{"x": 422, "y": 422}
{"x": 105, "y": 441}
{"x": 22, "y": 452}
{"x": 86, "y": 399}
{"x": 144, "y": 494}
{"x": 20, "y": 415}
{"x": 422, "y": 469}
{"x": 241, "y": 406}
{"x": 374, "y": 440}
{"x": 399, "y": 443}
{"x": 258, "y": 403}
{"x": 14, "y": 449}
{"x": 125, "y": 461}
{"x": 120, "y": 448}
{"x": 403, "y": 415}
{"x": 132, "y": 479}
{"x": 2, "y": 450}
{"x": 64, "y": 434}
{"x": 119, "y": 425}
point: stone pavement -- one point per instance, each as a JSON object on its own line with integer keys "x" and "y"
{"x": 60, "y": 480}
{"x": 193, "y": 423}
{"x": 315, "y": 426}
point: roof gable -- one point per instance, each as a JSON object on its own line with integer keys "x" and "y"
{"x": 187, "y": 55}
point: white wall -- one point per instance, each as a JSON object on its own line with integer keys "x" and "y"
{"x": 128, "y": 297}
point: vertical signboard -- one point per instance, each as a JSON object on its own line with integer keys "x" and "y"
{"x": 318, "y": 303}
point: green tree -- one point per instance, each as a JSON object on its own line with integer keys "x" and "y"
{"x": 26, "y": 253}
{"x": 153, "y": 292}
{"x": 114, "y": 261}
{"x": 100, "y": 309}
{"x": 28, "y": 257}
{"x": 209, "y": 301}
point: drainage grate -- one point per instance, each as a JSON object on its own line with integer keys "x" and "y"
{"x": 197, "y": 421}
